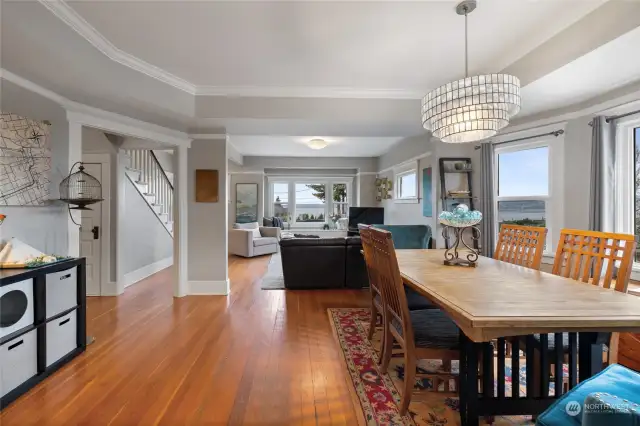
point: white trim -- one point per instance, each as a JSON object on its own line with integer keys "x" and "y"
{"x": 105, "y": 223}
{"x": 209, "y": 288}
{"x": 404, "y": 163}
{"x": 181, "y": 222}
{"x": 308, "y": 92}
{"x": 367, "y": 174}
{"x": 139, "y": 274}
{"x": 111, "y": 289}
{"x": 247, "y": 173}
{"x": 204, "y": 136}
{"x": 69, "y": 16}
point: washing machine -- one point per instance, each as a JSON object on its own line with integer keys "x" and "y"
{"x": 16, "y": 307}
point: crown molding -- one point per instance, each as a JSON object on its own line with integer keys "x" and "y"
{"x": 208, "y": 136}
{"x": 75, "y": 21}
{"x": 101, "y": 119}
{"x": 69, "y": 16}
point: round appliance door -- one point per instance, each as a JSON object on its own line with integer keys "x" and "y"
{"x": 16, "y": 307}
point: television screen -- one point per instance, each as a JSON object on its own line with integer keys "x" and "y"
{"x": 365, "y": 216}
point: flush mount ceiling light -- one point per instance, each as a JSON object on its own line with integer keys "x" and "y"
{"x": 473, "y": 108}
{"x": 317, "y": 143}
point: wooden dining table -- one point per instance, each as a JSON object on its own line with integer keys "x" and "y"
{"x": 497, "y": 302}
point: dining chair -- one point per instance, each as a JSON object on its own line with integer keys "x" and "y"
{"x": 521, "y": 245}
{"x": 374, "y": 291}
{"x": 596, "y": 258}
{"x": 422, "y": 334}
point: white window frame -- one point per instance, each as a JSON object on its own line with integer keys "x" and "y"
{"x": 399, "y": 173}
{"x": 553, "y": 214}
{"x": 625, "y": 185}
{"x": 328, "y": 205}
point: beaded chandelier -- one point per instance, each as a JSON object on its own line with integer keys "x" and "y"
{"x": 472, "y": 108}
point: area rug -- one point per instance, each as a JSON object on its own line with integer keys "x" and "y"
{"x": 378, "y": 393}
{"x": 273, "y": 279}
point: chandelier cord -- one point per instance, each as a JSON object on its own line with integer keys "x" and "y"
{"x": 466, "y": 44}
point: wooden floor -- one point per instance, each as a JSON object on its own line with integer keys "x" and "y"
{"x": 256, "y": 357}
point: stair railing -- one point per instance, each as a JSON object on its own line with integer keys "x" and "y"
{"x": 152, "y": 173}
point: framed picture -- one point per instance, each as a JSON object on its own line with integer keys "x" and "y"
{"x": 246, "y": 202}
{"x": 427, "y": 201}
{"x": 206, "y": 186}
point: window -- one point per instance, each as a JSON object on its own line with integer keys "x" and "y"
{"x": 523, "y": 185}
{"x": 281, "y": 200}
{"x": 636, "y": 184}
{"x": 406, "y": 185}
{"x": 310, "y": 202}
{"x": 306, "y": 203}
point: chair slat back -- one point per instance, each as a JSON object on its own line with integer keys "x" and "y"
{"x": 600, "y": 258}
{"x": 521, "y": 245}
{"x": 390, "y": 280}
{"x": 367, "y": 248}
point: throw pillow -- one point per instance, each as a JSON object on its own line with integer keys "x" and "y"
{"x": 277, "y": 222}
{"x": 269, "y": 223}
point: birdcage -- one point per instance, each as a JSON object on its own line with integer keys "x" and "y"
{"x": 80, "y": 189}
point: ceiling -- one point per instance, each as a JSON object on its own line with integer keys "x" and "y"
{"x": 272, "y": 74}
{"x": 295, "y": 146}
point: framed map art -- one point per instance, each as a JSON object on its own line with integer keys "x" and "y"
{"x": 25, "y": 161}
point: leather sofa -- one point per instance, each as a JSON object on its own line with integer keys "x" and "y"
{"x": 323, "y": 263}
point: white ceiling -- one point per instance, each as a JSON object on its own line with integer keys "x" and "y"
{"x": 352, "y": 72}
{"x": 295, "y": 146}
{"x": 406, "y": 47}
{"x": 613, "y": 65}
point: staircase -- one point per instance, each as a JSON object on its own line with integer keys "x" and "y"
{"x": 147, "y": 175}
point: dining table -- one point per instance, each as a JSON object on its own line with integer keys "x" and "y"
{"x": 499, "y": 306}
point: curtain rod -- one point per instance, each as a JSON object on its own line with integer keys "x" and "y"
{"x": 555, "y": 133}
{"x": 617, "y": 117}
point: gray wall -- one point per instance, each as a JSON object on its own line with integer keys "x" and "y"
{"x": 44, "y": 228}
{"x": 207, "y": 221}
{"x": 366, "y": 187}
{"x": 406, "y": 149}
{"x": 146, "y": 239}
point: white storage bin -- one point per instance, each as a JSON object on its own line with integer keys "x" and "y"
{"x": 18, "y": 361}
{"x": 61, "y": 337}
{"x": 62, "y": 291}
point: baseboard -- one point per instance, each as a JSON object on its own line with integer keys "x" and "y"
{"x": 111, "y": 289}
{"x": 142, "y": 273}
{"x": 209, "y": 288}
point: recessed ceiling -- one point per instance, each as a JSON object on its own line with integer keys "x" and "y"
{"x": 296, "y": 146}
{"x": 407, "y": 47}
{"x": 611, "y": 66}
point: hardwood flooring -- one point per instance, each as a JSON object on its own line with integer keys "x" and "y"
{"x": 256, "y": 357}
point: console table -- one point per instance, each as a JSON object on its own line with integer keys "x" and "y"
{"x": 42, "y": 323}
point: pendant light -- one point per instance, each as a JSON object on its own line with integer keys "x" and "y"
{"x": 472, "y": 108}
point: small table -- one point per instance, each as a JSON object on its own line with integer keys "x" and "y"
{"x": 498, "y": 300}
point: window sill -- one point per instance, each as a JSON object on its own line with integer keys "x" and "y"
{"x": 406, "y": 200}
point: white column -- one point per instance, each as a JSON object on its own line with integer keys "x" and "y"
{"x": 75, "y": 155}
{"x": 180, "y": 218}
{"x": 119, "y": 221}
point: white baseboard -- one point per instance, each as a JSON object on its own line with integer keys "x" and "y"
{"x": 111, "y": 289}
{"x": 142, "y": 273}
{"x": 209, "y": 288}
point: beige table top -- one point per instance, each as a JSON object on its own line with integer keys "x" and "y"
{"x": 497, "y": 299}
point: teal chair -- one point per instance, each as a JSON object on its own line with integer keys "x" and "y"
{"x": 610, "y": 398}
{"x": 408, "y": 236}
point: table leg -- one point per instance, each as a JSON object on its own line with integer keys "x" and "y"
{"x": 469, "y": 384}
{"x": 589, "y": 355}
{"x": 462, "y": 380}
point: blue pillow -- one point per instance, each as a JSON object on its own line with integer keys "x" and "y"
{"x": 614, "y": 380}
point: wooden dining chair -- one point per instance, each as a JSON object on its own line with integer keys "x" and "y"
{"x": 521, "y": 245}
{"x": 374, "y": 291}
{"x": 597, "y": 258}
{"x": 422, "y": 334}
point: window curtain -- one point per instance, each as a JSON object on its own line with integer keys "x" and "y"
{"x": 603, "y": 155}
{"x": 487, "y": 226}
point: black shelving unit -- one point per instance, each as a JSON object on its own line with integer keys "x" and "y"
{"x": 452, "y": 179}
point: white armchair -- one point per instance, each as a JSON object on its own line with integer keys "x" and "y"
{"x": 243, "y": 242}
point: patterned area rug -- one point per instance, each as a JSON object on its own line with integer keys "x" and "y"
{"x": 378, "y": 393}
